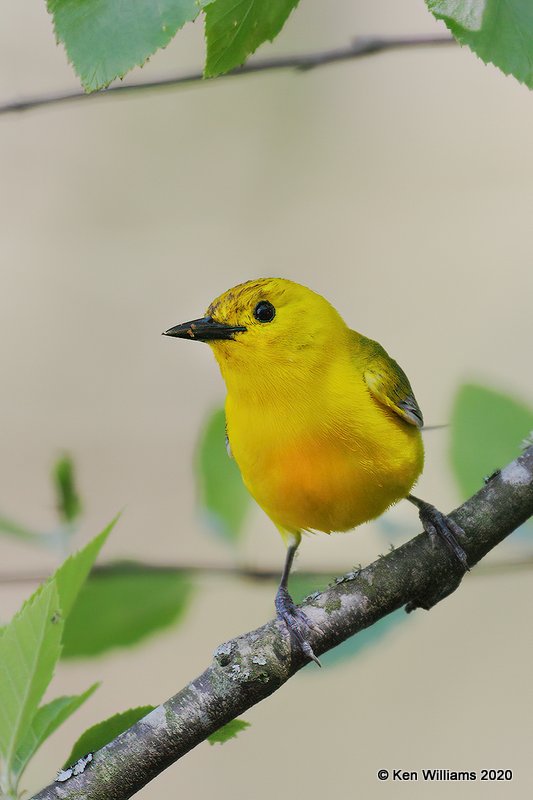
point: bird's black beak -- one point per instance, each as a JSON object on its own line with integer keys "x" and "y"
{"x": 204, "y": 330}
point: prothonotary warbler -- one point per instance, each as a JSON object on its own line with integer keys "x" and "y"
{"x": 322, "y": 422}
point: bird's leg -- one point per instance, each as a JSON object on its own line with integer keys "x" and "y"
{"x": 437, "y": 524}
{"x": 294, "y": 618}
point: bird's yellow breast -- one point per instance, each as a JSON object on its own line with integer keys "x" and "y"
{"x": 323, "y": 455}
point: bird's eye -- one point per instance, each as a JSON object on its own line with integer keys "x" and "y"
{"x": 264, "y": 311}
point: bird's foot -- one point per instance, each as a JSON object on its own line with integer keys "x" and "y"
{"x": 437, "y": 524}
{"x": 297, "y": 622}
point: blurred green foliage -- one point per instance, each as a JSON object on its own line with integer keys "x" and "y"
{"x": 302, "y": 585}
{"x": 122, "y": 605}
{"x": 222, "y": 493}
{"x": 18, "y": 531}
{"x": 487, "y": 428}
{"x": 68, "y": 500}
{"x": 68, "y": 505}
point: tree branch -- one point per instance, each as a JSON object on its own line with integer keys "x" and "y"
{"x": 250, "y": 667}
{"x": 359, "y": 48}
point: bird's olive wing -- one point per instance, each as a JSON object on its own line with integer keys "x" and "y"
{"x": 389, "y": 384}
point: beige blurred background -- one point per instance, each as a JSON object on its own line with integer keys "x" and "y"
{"x": 398, "y": 186}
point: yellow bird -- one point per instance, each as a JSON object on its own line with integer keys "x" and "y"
{"x": 321, "y": 421}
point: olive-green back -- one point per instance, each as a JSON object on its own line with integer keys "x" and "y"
{"x": 387, "y": 381}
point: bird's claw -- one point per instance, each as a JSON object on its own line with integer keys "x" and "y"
{"x": 297, "y": 623}
{"x": 438, "y": 525}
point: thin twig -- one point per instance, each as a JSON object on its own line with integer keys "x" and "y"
{"x": 250, "y": 667}
{"x": 247, "y": 573}
{"x": 359, "y": 48}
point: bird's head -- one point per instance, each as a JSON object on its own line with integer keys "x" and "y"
{"x": 267, "y": 324}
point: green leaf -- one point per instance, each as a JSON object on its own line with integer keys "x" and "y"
{"x": 487, "y": 430}
{"x": 30, "y": 647}
{"x": 228, "y": 731}
{"x": 221, "y": 490}
{"x": 18, "y": 531}
{"x": 302, "y": 585}
{"x": 72, "y": 574}
{"x": 29, "y": 650}
{"x": 234, "y": 29}
{"x": 104, "y": 732}
{"x": 47, "y": 719}
{"x": 121, "y": 605}
{"x": 498, "y": 31}
{"x": 68, "y": 500}
{"x": 104, "y": 39}
{"x": 68, "y": 504}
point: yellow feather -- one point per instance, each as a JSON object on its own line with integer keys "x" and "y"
{"x": 321, "y": 421}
